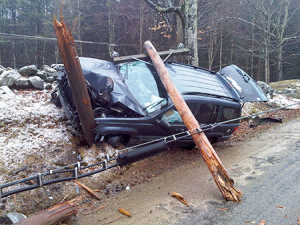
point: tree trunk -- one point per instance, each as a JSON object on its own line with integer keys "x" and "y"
{"x": 190, "y": 30}
{"x": 279, "y": 64}
{"x": 111, "y": 28}
{"x": 223, "y": 181}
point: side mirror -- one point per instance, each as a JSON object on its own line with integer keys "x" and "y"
{"x": 164, "y": 124}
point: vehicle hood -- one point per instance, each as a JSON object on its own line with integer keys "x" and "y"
{"x": 99, "y": 74}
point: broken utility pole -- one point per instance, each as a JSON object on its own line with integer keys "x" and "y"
{"x": 73, "y": 69}
{"x": 222, "y": 179}
{"x": 54, "y": 215}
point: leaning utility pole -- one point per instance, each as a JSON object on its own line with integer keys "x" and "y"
{"x": 222, "y": 179}
{"x": 81, "y": 97}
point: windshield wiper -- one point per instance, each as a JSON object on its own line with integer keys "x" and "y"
{"x": 154, "y": 104}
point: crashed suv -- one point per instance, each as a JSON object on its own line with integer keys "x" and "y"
{"x": 131, "y": 105}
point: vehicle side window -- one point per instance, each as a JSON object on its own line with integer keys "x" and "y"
{"x": 229, "y": 114}
{"x": 172, "y": 116}
{"x": 207, "y": 113}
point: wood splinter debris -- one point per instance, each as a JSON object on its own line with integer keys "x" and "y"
{"x": 87, "y": 189}
{"x": 123, "y": 211}
{"x": 180, "y": 198}
{"x": 113, "y": 220}
{"x": 263, "y": 222}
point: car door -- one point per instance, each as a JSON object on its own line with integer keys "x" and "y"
{"x": 170, "y": 115}
{"x": 243, "y": 84}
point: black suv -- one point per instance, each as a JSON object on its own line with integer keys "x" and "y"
{"x": 131, "y": 105}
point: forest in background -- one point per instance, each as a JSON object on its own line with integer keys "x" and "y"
{"x": 258, "y": 36}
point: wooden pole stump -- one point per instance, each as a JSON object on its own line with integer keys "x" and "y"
{"x": 222, "y": 179}
{"x": 76, "y": 79}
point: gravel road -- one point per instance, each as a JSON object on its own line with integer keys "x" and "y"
{"x": 266, "y": 168}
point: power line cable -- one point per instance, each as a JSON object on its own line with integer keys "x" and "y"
{"x": 51, "y": 39}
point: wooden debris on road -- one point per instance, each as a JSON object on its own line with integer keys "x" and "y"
{"x": 113, "y": 220}
{"x": 94, "y": 210}
{"x": 180, "y": 198}
{"x": 263, "y": 222}
{"x": 88, "y": 189}
{"x": 123, "y": 211}
{"x": 53, "y": 215}
{"x": 221, "y": 177}
{"x": 279, "y": 206}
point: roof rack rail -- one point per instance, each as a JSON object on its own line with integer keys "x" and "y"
{"x": 122, "y": 59}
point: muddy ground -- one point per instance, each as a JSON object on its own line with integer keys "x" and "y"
{"x": 150, "y": 182}
{"x": 264, "y": 162}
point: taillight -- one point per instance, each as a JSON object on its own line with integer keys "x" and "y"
{"x": 235, "y": 129}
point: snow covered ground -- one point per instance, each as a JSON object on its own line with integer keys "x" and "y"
{"x": 31, "y": 130}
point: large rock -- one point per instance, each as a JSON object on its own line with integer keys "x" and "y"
{"x": 50, "y": 71}
{"x": 1, "y": 69}
{"x": 28, "y": 70}
{"x": 42, "y": 74}
{"x": 8, "y": 77}
{"x": 36, "y": 82}
{"x": 22, "y": 83}
{"x": 6, "y": 90}
{"x": 266, "y": 88}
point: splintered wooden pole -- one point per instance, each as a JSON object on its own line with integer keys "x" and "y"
{"x": 81, "y": 98}
{"x": 54, "y": 215}
{"x": 222, "y": 179}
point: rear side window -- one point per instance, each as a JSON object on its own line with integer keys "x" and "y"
{"x": 207, "y": 113}
{"x": 229, "y": 114}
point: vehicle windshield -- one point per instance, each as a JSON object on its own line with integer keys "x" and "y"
{"x": 145, "y": 85}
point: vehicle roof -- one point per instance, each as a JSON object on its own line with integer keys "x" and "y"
{"x": 195, "y": 80}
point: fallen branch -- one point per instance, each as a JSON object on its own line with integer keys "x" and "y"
{"x": 87, "y": 189}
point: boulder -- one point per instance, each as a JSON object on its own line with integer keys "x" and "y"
{"x": 58, "y": 67}
{"x": 266, "y": 88}
{"x": 1, "y": 69}
{"x": 50, "y": 71}
{"x": 42, "y": 74}
{"x": 48, "y": 86}
{"x": 28, "y": 70}
{"x": 6, "y": 90}
{"x": 22, "y": 83}
{"x": 37, "y": 82}
{"x": 50, "y": 79}
{"x": 8, "y": 77}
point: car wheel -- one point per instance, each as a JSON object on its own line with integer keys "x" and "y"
{"x": 189, "y": 147}
{"x": 113, "y": 140}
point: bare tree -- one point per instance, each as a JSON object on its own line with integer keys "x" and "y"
{"x": 186, "y": 17}
{"x": 269, "y": 22}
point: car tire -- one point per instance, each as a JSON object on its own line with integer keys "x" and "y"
{"x": 113, "y": 140}
{"x": 189, "y": 147}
